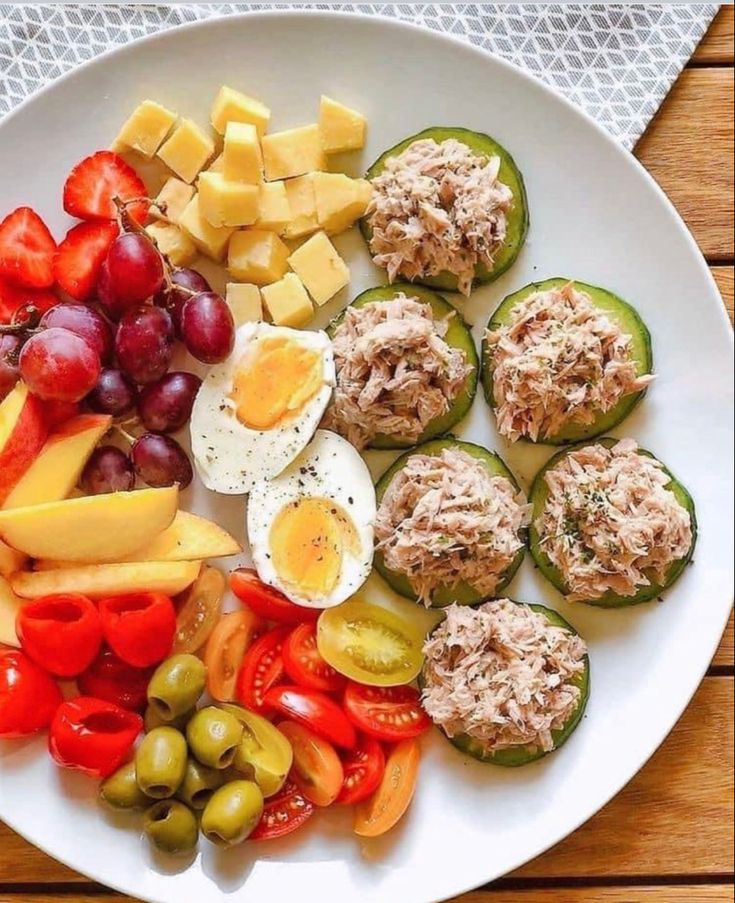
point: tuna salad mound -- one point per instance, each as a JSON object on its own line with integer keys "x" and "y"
{"x": 502, "y": 675}
{"x": 438, "y": 207}
{"x": 557, "y": 360}
{"x": 444, "y": 520}
{"x": 395, "y": 371}
{"x": 609, "y": 523}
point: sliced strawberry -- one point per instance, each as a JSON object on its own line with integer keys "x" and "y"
{"x": 12, "y": 298}
{"x": 26, "y": 249}
{"x": 93, "y": 183}
{"x": 80, "y": 256}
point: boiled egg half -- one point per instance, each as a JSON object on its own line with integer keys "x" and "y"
{"x": 311, "y": 528}
{"x": 256, "y": 411}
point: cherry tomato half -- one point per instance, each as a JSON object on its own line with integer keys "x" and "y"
{"x": 28, "y": 696}
{"x": 262, "y": 668}
{"x": 316, "y": 770}
{"x": 139, "y": 627}
{"x": 232, "y": 636}
{"x": 283, "y": 813}
{"x": 199, "y": 609}
{"x": 113, "y": 680}
{"x": 305, "y": 666}
{"x": 267, "y": 602}
{"x": 61, "y": 633}
{"x": 315, "y": 710}
{"x": 363, "y": 771}
{"x": 386, "y": 713}
{"x": 385, "y": 807}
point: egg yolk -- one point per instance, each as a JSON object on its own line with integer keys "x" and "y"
{"x": 274, "y": 382}
{"x": 307, "y": 540}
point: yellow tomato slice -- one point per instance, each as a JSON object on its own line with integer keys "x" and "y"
{"x": 227, "y": 644}
{"x": 380, "y": 812}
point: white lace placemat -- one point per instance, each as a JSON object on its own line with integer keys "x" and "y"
{"x": 615, "y": 61}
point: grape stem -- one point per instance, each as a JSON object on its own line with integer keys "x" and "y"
{"x": 32, "y": 317}
{"x": 123, "y": 432}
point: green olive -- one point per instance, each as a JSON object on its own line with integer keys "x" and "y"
{"x": 121, "y": 790}
{"x": 213, "y": 736}
{"x": 264, "y": 754}
{"x": 199, "y": 784}
{"x": 151, "y": 720}
{"x": 176, "y": 685}
{"x": 171, "y": 827}
{"x": 232, "y": 813}
{"x": 160, "y": 762}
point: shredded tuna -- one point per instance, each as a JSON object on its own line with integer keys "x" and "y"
{"x": 558, "y": 361}
{"x": 502, "y": 674}
{"x": 609, "y": 522}
{"x": 438, "y": 207}
{"x": 445, "y": 519}
{"x": 395, "y": 372}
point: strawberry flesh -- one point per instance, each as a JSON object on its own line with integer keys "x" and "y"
{"x": 80, "y": 256}
{"x": 26, "y": 249}
{"x": 13, "y": 298}
{"x": 96, "y": 180}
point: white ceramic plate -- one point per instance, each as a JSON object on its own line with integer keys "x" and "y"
{"x": 595, "y": 215}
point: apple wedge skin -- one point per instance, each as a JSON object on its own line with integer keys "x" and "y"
{"x": 23, "y": 432}
{"x": 93, "y": 528}
{"x": 97, "y": 581}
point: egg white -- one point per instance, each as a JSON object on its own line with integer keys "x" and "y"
{"x": 230, "y": 457}
{"x": 329, "y": 468}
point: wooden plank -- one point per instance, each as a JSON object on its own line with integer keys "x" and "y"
{"x": 725, "y": 279}
{"x": 675, "y": 816}
{"x": 688, "y": 150}
{"x": 680, "y": 894}
{"x": 716, "y": 47}
{"x": 725, "y": 655}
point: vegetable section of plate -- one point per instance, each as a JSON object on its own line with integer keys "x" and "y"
{"x": 119, "y": 637}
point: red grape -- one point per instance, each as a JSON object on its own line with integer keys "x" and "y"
{"x": 114, "y": 394}
{"x": 134, "y": 268}
{"x": 161, "y": 461}
{"x": 207, "y": 327}
{"x": 144, "y": 344}
{"x": 165, "y": 406}
{"x": 9, "y": 350}
{"x": 173, "y": 300}
{"x": 58, "y": 365}
{"x": 108, "y": 470}
{"x": 86, "y": 323}
{"x": 106, "y": 297}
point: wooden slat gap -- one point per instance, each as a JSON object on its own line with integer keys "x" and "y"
{"x": 562, "y": 883}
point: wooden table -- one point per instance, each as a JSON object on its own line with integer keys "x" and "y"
{"x": 668, "y": 837}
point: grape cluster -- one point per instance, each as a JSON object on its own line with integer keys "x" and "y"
{"x": 116, "y": 359}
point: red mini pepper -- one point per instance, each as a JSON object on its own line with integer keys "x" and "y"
{"x": 28, "y": 696}
{"x": 92, "y": 736}
{"x": 112, "y": 679}
{"x": 61, "y": 633}
{"x": 139, "y": 627}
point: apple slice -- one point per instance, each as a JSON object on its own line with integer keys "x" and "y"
{"x": 189, "y": 538}
{"x": 10, "y": 560}
{"x": 101, "y": 580}
{"x": 9, "y": 605}
{"x": 22, "y": 434}
{"x": 56, "y": 470}
{"x": 95, "y": 528}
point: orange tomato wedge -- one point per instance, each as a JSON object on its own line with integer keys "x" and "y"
{"x": 317, "y": 770}
{"x": 227, "y": 644}
{"x": 380, "y": 812}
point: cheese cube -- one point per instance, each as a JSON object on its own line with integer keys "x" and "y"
{"x": 320, "y": 268}
{"x": 173, "y": 243}
{"x": 301, "y": 199}
{"x": 340, "y": 128}
{"x": 187, "y": 150}
{"x": 241, "y": 157}
{"x": 225, "y": 203}
{"x": 274, "y": 208}
{"x": 210, "y": 240}
{"x": 339, "y": 200}
{"x": 292, "y": 153}
{"x": 233, "y": 106}
{"x": 146, "y": 128}
{"x": 287, "y": 302}
{"x": 172, "y": 199}
{"x": 244, "y": 301}
{"x": 258, "y": 256}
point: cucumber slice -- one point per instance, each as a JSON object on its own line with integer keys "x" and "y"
{"x": 458, "y": 336}
{"x": 514, "y": 756}
{"x": 518, "y": 218}
{"x": 619, "y": 311}
{"x": 462, "y": 593}
{"x": 538, "y": 496}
